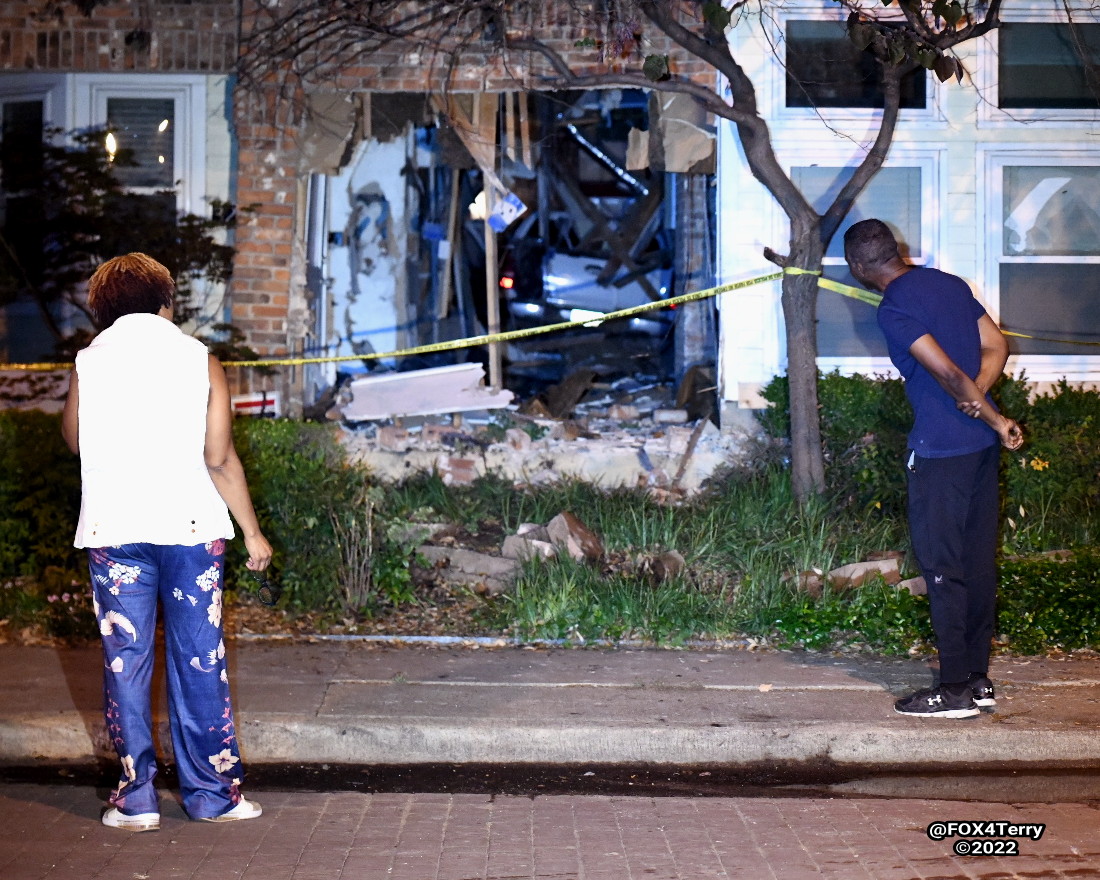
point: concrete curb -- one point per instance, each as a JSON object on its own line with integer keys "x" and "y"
{"x": 286, "y": 739}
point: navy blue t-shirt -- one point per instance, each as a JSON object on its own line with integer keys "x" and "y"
{"x": 930, "y": 301}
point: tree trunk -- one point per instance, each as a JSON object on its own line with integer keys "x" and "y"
{"x": 800, "y": 318}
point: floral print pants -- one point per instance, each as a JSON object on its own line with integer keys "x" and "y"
{"x": 127, "y": 584}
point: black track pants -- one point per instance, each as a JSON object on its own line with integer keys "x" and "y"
{"x": 953, "y": 515}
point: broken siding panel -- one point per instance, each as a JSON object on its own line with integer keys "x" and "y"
{"x": 456, "y": 388}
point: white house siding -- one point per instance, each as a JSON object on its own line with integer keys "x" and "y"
{"x": 960, "y": 141}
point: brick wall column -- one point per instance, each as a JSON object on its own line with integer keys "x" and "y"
{"x": 267, "y": 292}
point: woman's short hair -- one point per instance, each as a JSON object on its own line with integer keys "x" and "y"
{"x": 130, "y": 284}
{"x": 871, "y": 243}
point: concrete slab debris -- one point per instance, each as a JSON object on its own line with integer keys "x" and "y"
{"x": 450, "y": 389}
{"x": 490, "y": 575}
{"x": 609, "y": 443}
{"x": 523, "y": 548}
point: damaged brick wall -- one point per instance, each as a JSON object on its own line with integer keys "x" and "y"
{"x": 268, "y": 290}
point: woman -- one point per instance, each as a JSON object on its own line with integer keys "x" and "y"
{"x": 148, "y": 412}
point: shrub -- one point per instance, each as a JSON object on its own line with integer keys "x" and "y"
{"x": 1047, "y": 602}
{"x": 1051, "y": 486}
{"x": 39, "y": 496}
{"x": 864, "y": 425}
{"x": 334, "y": 547}
{"x": 298, "y": 474}
{"x": 57, "y": 604}
{"x": 874, "y": 617}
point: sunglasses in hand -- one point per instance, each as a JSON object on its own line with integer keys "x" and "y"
{"x": 267, "y": 592}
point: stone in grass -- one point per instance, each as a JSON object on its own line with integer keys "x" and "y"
{"x": 579, "y": 541}
{"x": 916, "y": 586}
{"x": 856, "y": 574}
{"x": 664, "y": 566}
{"x": 812, "y": 581}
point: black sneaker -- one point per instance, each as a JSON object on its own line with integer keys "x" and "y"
{"x": 981, "y": 689}
{"x": 937, "y": 703}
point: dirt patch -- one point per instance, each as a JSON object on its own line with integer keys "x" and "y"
{"x": 438, "y": 609}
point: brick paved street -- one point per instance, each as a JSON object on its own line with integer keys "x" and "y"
{"x": 53, "y": 832}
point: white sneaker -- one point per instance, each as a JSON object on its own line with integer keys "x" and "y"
{"x": 243, "y": 810}
{"x": 113, "y": 818}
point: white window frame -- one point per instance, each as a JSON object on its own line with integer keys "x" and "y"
{"x": 987, "y": 83}
{"x": 47, "y": 88}
{"x": 188, "y": 92}
{"x": 932, "y": 112}
{"x": 991, "y": 161}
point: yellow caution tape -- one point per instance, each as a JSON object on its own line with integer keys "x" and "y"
{"x": 858, "y": 293}
{"x": 37, "y": 368}
{"x": 509, "y": 335}
{"x": 875, "y": 298}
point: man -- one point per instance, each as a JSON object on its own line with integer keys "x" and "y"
{"x": 950, "y": 352}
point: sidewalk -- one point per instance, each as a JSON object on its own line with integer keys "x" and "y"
{"x": 53, "y": 833}
{"x": 347, "y": 702}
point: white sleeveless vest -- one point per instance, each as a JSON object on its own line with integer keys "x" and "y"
{"x": 144, "y": 387}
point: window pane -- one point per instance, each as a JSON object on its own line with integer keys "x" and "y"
{"x": 1054, "y": 300}
{"x": 24, "y": 226}
{"x": 144, "y": 130}
{"x": 826, "y": 69}
{"x": 893, "y": 196}
{"x": 847, "y": 327}
{"x": 20, "y": 146}
{"x": 1048, "y": 66}
{"x": 1052, "y": 210}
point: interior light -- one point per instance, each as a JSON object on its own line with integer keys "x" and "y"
{"x": 111, "y": 146}
{"x": 477, "y": 207}
{"x": 160, "y": 159}
{"x": 163, "y": 127}
{"x": 587, "y": 316}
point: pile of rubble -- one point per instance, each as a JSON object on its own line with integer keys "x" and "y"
{"x": 627, "y": 433}
{"x": 564, "y": 535}
{"x": 31, "y": 389}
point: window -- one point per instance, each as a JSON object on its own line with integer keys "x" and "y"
{"x": 1044, "y": 65}
{"x": 1048, "y": 254}
{"x": 21, "y": 224}
{"x": 158, "y": 124}
{"x": 144, "y": 133}
{"x": 20, "y": 167}
{"x": 161, "y": 131}
{"x": 847, "y": 327}
{"x": 826, "y": 69}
